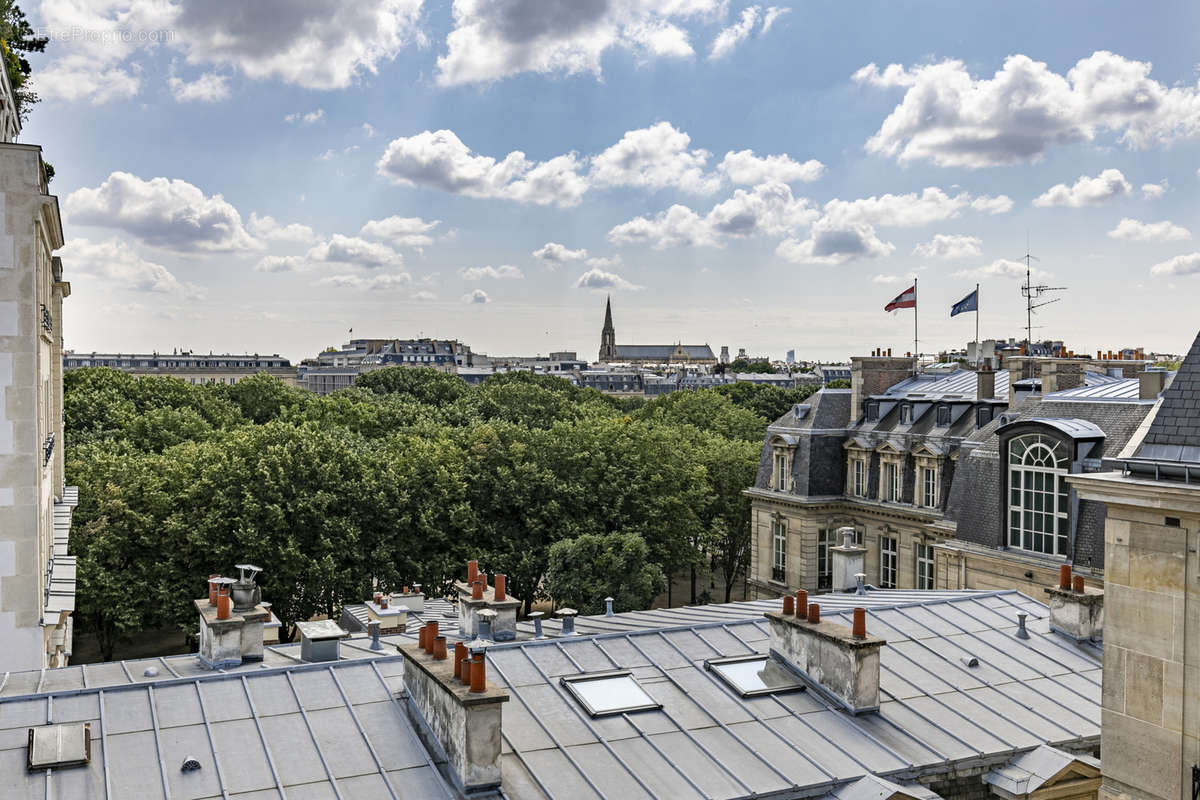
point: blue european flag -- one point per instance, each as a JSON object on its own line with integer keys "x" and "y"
{"x": 968, "y": 303}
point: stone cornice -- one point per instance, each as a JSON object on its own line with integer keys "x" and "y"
{"x": 1118, "y": 489}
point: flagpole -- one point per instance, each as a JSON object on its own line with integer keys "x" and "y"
{"x": 916, "y": 358}
{"x": 978, "y": 344}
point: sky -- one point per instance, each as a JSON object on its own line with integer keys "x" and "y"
{"x": 265, "y": 177}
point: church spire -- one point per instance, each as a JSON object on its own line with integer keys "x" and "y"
{"x": 608, "y": 335}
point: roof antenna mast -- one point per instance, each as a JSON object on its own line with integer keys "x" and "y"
{"x": 1033, "y": 294}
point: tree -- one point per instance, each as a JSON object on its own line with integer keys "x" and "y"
{"x": 18, "y": 37}
{"x": 262, "y": 397}
{"x": 742, "y": 365}
{"x": 585, "y": 570}
{"x": 729, "y": 468}
{"x": 707, "y": 411}
{"x": 423, "y": 384}
{"x": 768, "y": 402}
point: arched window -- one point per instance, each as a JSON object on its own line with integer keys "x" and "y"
{"x": 1038, "y": 500}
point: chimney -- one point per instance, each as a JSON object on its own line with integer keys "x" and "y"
{"x": 1058, "y": 375}
{"x": 319, "y": 640}
{"x": 457, "y": 720}
{"x": 390, "y": 612}
{"x": 874, "y": 375}
{"x": 567, "y": 617}
{"x": 1151, "y": 383}
{"x": 841, "y": 662}
{"x": 848, "y": 560}
{"x": 985, "y": 384}
{"x": 476, "y": 596}
{"x": 232, "y": 618}
{"x": 1075, "y": 610}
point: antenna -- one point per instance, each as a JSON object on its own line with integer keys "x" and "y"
{"x": 1033, "y": 295}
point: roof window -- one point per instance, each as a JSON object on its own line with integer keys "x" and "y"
{"x": 55, "y": 746}
{"x": 603, "y": 693}
{"x": 754, "y": 675}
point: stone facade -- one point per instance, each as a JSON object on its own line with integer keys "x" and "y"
{"x": 188, "y": 367}
{"x": 36, "y": 574}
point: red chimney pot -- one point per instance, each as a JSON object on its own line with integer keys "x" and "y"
{"x": 1064, "y": 576}
{"x": 789, "y": 605}
{"x": 1077, "y": 583}
{"x": 860, "y": 623}
{"x": 478, "y": 675}
{"x": 501, "y": 584}
{"x": 814, "y": 612}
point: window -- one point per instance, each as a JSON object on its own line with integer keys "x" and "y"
{"x": 887, "y": 562}
{"x": 1038, "y": 500}
{"x": 827, "y": 538}
{"x": 891, "y": 482}
{"x": 782, "y": 471}
{"x": 754, "y": 675}
{"x": 602, "y": 693}
{"x": 983, "y": 416}
{"x": 906, "y": 414}
{"x": 929, "y": 487}
{"x": 943, "y": 416}
{"x": 873, "y": 411}
{"x": 858, "y": 477}
{"x": 924, "y": 566}
{"x": 779, "y": 551}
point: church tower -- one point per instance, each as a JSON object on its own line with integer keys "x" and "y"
{"x": 608, "y": 336}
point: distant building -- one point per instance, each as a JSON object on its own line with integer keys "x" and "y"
{"x": 832, "y": 372}
{"x": 227, "y": 368}
{"x": 37, "y": 576}
{"x": 791, "y": 357}
{"x": 724, "y": 354}
{"x": 438, "y": 353}
{"x": 611, "y": 352}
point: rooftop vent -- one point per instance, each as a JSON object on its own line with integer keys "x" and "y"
{"x": 800, "y": 410}
{"x": 319, "y": 640}
{"x": 57, "y": 746}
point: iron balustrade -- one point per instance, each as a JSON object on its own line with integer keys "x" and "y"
{"x": 47, "y": 319}
{"x": 48, "y": 449}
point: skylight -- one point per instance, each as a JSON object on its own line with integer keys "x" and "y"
{"x": 56, "y": 746}
{"x": 754, "y": 675}
{"x": 602, "y": 693}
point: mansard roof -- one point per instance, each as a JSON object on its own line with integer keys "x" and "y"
{"x": 664, "y": 352}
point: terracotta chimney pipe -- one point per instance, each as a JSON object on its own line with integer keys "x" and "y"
{"x": 212, "y": 590}
{"x": 1077, "y": 584}
{"x": 476, "y": 589}
{"x": 860, "y": 623}
{"x": 439, "y": 648}
{"x": 478, "y": 675}
{"x": 465, "y": 672}
{"x": 1064, "y": 576}
{"x": 421, "y": 636}
{"x": 222, "y": 605}
{"x": 801, "y": 602}
{"x": 501, "y": 584}
{"x": 472, "y": 570}
{"x": 814, "y": 612}
{"x": 789, "y": 605}
{"x": 460, "y": 653}
{"x": 431, "y": 633}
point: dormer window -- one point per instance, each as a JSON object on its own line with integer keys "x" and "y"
{"x": 782, "y": 470}
{"x": 983, "y": 416}
{"x": 943, "y": 416}
{"x": 873, "y": 412}
{"x": 906, "y": 414}
{"x": 1038, "y": 498}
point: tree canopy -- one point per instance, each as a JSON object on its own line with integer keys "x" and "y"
{"x": 399, "y": 480}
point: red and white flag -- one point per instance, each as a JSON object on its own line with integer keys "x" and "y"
{"x": 906, "y": 299}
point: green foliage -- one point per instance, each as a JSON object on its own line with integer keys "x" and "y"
{"x": 742, "y": 365}
{"x": 1170, "y": 366}
{"x": 16, "y": 37}
{"x": 768, "y": 402}
{"x": 397, "y": 480}
{"x": 586, "y": 569}
{"x": 840, "y": 383}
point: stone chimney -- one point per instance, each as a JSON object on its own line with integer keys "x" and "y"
{"x": 1061, "y": 374}
{"x": 848, "y": 561}
{"x": 842, "y": 662}
{"x": 874, "y": 375}
{"x": 1075, "y": 610}
{"x": 985, "y": 383}
{"x": 458, "y": 720}
{"x": 231, "y": 621}
{"x": 474, "y": 595}
{"x": 1151, "y": 383}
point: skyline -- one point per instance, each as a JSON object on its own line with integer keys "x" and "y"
{"x": 266, "y": 180}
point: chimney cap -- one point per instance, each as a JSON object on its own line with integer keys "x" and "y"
{"x": 488, "y": 614}
{"x": 536, "y": 614}
{"x": 565, "y": 612}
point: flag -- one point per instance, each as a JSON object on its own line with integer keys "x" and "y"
{"x": 906, "y": 299}
{"x": 968, "y": 303}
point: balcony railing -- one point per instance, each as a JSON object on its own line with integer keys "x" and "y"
{"x": 47, "y": 449}
{"x": 47, "y": 320}
{"x": 777, "y": 574}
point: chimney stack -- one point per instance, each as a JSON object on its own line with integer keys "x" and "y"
{"x": 1075, "y": 610}
{"x": 456, "y": 712}
{"x": 1151, "y": 383}
{"x": 985, "y": 384}
{"x": 848, "y": 560}
{"x": 475, "y": 596}
{"x": 841, "y": 662}
{"x": 230, "y": 630}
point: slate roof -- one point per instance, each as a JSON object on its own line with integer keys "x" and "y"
{"x": 827, "y": 409}
{"x": 661, "y": 352}
{"x": 1174, "y": 435}
{"x": 936, "y": 714}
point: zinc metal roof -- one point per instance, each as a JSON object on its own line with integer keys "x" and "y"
{"x": 333, "y": 730}
{"x": 958, "y": 385}
{"x": 1111, "y": 389}
{"x": 936, "y": 714}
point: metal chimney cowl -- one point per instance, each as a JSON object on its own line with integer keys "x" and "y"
{"x": 246, "y": 593}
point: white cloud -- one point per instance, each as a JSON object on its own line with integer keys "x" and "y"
{"x": 424, "y": 296}
{"x": 1000, "y": 268}
{"x": 834, "y": 241}
{"x": 912, "y": 209}
{"x": 476, "y": 296}
{"x": 401, "y": 231}
{"x": 368, "y": 130}
{"x": 886, "y": 279}
{"x": 1178, "y": 265}
{"x": 172, "y": 214}
{"x": 305, "y": 118}
{"x": 265, "y": 227}
{"x": 1000, "y": 204}
{"x": 555, "y": 253}
{"x": 953, "y": 119}
{"x": 767, "y": 209}
{"x": 947, "y": 246}
{"x": 748, "y": 169}
{"x": 440, "y": 160}
{"x": 353, "y": 250}
{"x": 208, "y": 88}
{"x": 504, "y": 272}
{"x": 493, "y": 40}
{"x": 382, "y": 282}
{"x": 116, "y": 264}
{"x": 282, "y": 264}
{"x": 728, "y": 39}
{"x": 655, "y": 158}
{"x": 1153, "y": 191}
{"x": 601, "y": 280}
{"x": 1135, "y": 231}
{"x": 331, "y": 154}
{"x": 1086, "y": 191}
